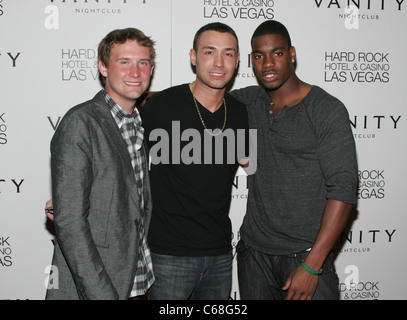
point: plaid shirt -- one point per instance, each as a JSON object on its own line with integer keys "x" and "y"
{"x": 132, "y": 132}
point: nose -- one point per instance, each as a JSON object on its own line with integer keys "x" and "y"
{"x": 134, "y": 71}
{"x": 268, "y": 61}
{"x": 219, "y": 60}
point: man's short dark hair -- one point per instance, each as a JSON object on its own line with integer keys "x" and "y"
{"x": 272, "y": 27}
{"x": 214, "y": 26}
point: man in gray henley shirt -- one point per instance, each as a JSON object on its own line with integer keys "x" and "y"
{"x": 304, "y": 187}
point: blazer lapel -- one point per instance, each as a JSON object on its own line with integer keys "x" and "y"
{"x": 112, "y": 132}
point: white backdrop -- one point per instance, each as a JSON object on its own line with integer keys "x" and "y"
{"x": 352, "y": 49}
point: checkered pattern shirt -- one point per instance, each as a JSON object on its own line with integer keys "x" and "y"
{"x": 133, "y": 133}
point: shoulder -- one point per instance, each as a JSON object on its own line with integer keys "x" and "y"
{"x": 249, "y": 94}
{"x": 78, "y": 113}
{"x": 160, "y": 101}
{"x": 234, "y": 102}
{"x": 325, "y": 111}
{"x": 168, "y": 93}
{"x": 82, "y": 115}
{"x": 319, "y": 97}
{"x": 237, "y": 112}
{"x": 320, "y": 103}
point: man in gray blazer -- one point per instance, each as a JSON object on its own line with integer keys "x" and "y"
{"x": 100, "y": 184}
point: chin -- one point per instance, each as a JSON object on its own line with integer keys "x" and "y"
{"x": 270, "y": 86}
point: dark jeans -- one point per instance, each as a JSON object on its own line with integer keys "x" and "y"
{"x": 261, "y": 276}
{"x": 195, "y": 278}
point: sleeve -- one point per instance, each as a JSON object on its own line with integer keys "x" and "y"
{"x": 71, "y": 170}
{"x": 241, "y": 95}
{"x": 337, "y": 151}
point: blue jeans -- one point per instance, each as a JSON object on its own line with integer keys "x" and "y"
{"x": 261, "y": 276}
{"x": 195, "y": 278}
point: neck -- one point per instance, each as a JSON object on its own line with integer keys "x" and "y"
{"x": 210, "y": 98}
{"x": 289, "y": 94}
{"x": 125, "y": 104}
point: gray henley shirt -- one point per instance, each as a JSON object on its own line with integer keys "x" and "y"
{"x": 305, "y": 155}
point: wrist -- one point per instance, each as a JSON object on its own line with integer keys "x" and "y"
{"x": 308, "y": 269}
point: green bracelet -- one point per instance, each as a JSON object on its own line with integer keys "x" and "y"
{"x": 309, "y": 270}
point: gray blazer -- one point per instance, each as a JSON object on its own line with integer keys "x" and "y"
{"x": 96, "y": 206}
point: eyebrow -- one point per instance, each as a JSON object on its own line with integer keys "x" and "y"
{"x": 272, "y": 50}
{"x": 127, "y": 58}
{"x": 214, "y": 48}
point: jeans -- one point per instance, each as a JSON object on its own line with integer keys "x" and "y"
{"x": 261, "y": 276}
{"x": 195, "y": 278}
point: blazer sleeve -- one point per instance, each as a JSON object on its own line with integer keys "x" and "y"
{"x": 71, "y": 170}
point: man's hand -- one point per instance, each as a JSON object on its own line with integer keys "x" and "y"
{"x": 300, "y": 285}
{"x": 49, "y": 210}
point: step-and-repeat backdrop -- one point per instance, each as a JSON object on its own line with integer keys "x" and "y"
{"x": 356, "y": 50}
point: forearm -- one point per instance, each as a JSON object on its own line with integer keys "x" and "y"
{"x": 334, "y": 219}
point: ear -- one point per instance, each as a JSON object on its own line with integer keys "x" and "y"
{"x": 237, "y": 59}
{"x": 192, "y": 55}
{"x": 102, "y": 68}
{"x": 151, "y": 71}
{"x": 293, "y": 54}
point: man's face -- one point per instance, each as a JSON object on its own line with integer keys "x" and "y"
{"x": 272, "y": 60}
{"x": 216, "y": 59}
{"x": 128, "y": 74}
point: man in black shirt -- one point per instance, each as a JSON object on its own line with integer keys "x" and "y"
{"x": 191, "y": 178}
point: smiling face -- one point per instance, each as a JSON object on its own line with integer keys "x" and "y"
{"x": 128, "y": 73}
{"x": 215, "y": 59}
{"x": 272, "y": 60}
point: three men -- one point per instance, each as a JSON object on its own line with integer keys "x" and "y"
{"x": 300, "y": 196}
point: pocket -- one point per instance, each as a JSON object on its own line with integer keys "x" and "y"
{"x": 99, "y": 218}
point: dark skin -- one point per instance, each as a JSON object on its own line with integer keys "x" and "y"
{"x": 274, "y": 65}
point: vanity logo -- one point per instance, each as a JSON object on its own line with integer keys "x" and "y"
{"x": 369, "y": 126}
{"x": 361, "y": 4}
{"x": 356, "y": 12}
{"x": 83, "y": 7}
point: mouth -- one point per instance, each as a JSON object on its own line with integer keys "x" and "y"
{"x": 269, "y": 76}
{"x": 217, "y": 75}
{"x": 133, "y": 83}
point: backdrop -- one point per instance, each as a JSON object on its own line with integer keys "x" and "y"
{"x": 353, "y": 49}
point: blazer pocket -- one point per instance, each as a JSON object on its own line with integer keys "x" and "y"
{"x": 99, "y": 218}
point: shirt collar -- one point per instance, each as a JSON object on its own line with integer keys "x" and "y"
{"x": 118, "y": 113}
